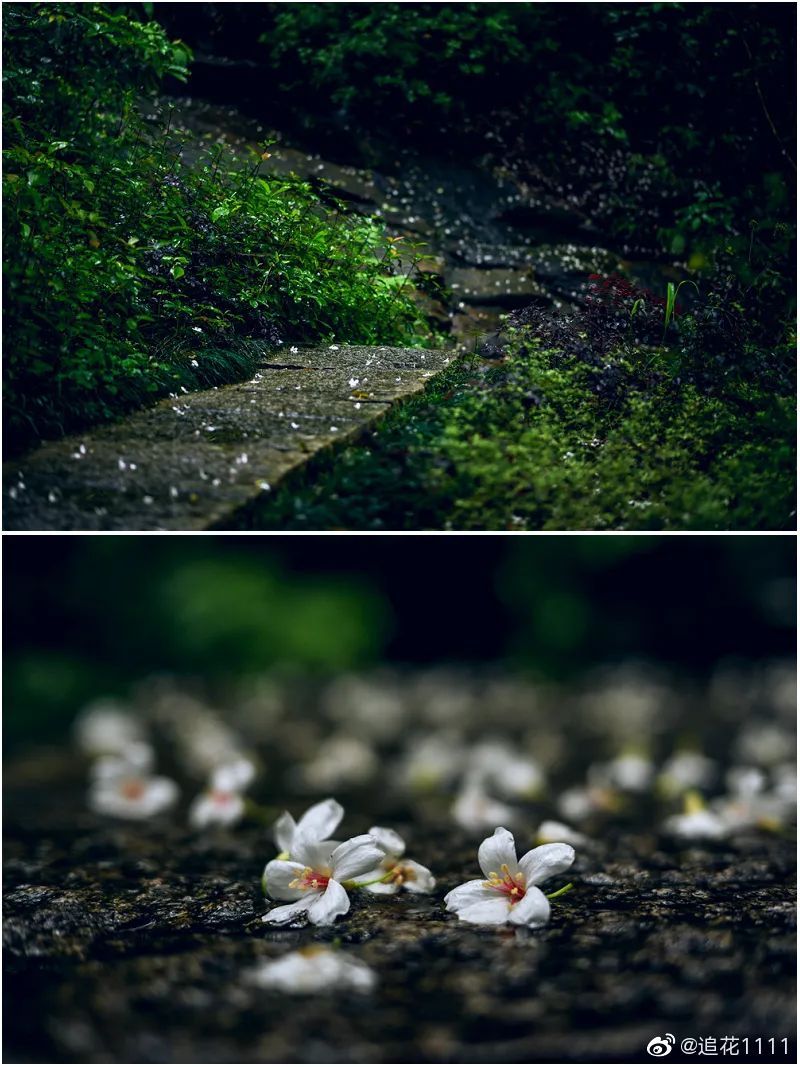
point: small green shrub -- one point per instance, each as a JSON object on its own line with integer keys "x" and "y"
{"x": 130, "y": 273}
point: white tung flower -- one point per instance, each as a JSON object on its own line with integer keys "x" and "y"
{"x": 686, "y": 770}
{"x": 106, "y": 728}
{"x": 630, "y": 772}
{"x": 551, "y": 832}
{"x": 132, "y": 795}
{"x": 317, "y": 824}
{"x": 313, "y": 881}
{"x": 476, "y": 810}
{"x": 137, "y": 758}
{"x": 699, "y": 824}
{"x": 223, "y": 804}
{"x": 509, "y": 890}
{"x": 341, "y": 761}
{"x": 504, "y": 769}
{"x": 315, "y": 969}
{"x": 398, "y": 873}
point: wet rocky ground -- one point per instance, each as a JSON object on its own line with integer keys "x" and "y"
{"x": 129, "y": 942}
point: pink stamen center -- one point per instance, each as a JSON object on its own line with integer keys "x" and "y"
{"x": 309, "y": 879}
{"x": 219, "y": 796}
{"x": 512, "y": 885}
{"x": 132, "y": 788}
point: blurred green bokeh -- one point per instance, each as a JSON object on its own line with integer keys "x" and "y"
{"x": 90, "y": 616}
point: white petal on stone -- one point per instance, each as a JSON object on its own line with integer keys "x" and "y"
{"x": 468, "y": 893}
{"x": 286, "y": 912}
{"x": 332, "y": 903}
{"x": 390, "y": 841}
{"x": 497, "y": 850}
{"x": 354, "y": 857}
{"x": 278, "y": 874}
{"x": 489, "y": 912}
{"x": 545, "y": 861}
{"x": 418, "y": 878}
{"x": 321, "y": 820}
{"x": 283, "y": 832}
{"x": 532, "y": 910}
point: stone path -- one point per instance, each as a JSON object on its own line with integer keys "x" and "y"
{"x": 191, "y": 463}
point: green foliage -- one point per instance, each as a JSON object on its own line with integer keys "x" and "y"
{"x": 130, "y": 273}
{"x": 533, "y": 446}
{"x": 377, "y": 56}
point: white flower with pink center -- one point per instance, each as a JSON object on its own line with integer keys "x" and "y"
{"x": 223, "y": 803}
{"x": 508, "y": 892}
{"x": 125, "y": 791}
{"x": 315, "y": 880}
{"x": 396, "y": 872}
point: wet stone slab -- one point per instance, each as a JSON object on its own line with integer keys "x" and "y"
{"x": 191, "y": 463}
{"x": 132, "y": 944}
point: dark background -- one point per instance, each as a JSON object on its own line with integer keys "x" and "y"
{"x": 87, "y": 616}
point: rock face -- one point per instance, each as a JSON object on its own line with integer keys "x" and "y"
{"x": 132, "y": 944}
{"x": 191, "y": 463}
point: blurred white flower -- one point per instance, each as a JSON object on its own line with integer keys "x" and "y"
{"x": 500, "y": 767}
{"x": 107, "y": 728}
{"x": 373, "y": 706}
{"x": 551, "y": 832}
{"x": 474, "y": 809}
{"x": 223, "y": 804}
{"x": 135, "y": 759}
{"x": 579, "y": 802}
{"x": 765, "y": 745}
{"x": 132, "y": 795}
{"x": 313, "y": 881}
{"x": 686, "y": 770}
{"x": 341, "y": 761}
{"x": 315, "y": 970}
{"x": 431, "y": 761}
{"x": 630, "y": 772}
{"x": 696, "y": 824}
{"x": 510, "y": 890}
{"x": 399, "y": 873}
{"x": 748, "y": 804}
{"x": 316, "y": 824}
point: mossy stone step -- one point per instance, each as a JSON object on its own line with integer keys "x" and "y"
{"x": 191, "y": 463}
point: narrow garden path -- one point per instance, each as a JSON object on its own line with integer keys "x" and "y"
{"x": 191, "y": 463}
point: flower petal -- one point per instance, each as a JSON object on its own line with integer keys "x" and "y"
{"x": 390, "y": 841}
{"x": 334, "y": 901}
{"x": 313, "y": 853}
{"x": 418, "y": 878}
{"x": 532, "y": 910}
{"x": 355, "y": 856}
{"x": 385, "y": 888}
{"x": 322, "y": 819}
{"x": 469, "y": 893}
{"x": 543, "y": 862}
{"x": 277, "y": 876}
{"x": 489, "y": 912}
{"x": 283, "y": 833}
{"x": 497, "y": 850}
{"x": 286, "y": 912}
